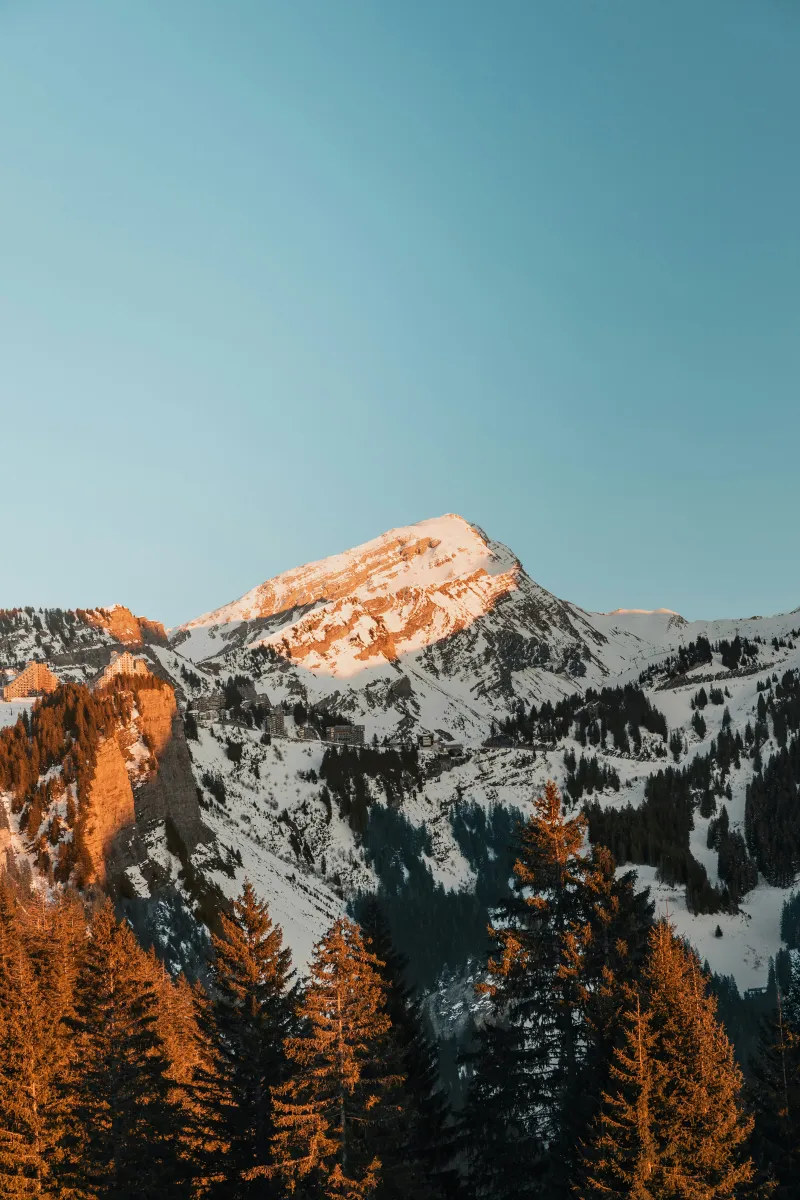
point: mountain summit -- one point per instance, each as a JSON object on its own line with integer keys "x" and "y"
{"x": 432, "y": 622}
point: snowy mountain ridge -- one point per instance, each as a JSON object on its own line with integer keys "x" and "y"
{"x": 430, "y": 627}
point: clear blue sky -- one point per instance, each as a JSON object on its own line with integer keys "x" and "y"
{"x": 278, "y": 276}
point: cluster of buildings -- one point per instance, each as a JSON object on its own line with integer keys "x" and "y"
{"x": 121, "y": 664}
{"x": 448, "y": 752}
{"x": 211, "y": 708}
{"x": 35, "y": 680}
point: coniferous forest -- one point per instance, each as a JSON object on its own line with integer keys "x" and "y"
{"x": 599, "y": 1065}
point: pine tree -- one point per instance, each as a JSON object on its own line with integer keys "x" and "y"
{"x": 119, "y": 1140}
{"x": 775, "y": 1093}
{"x": 188, "y": 1054}
{"x": 417, "y": 1144}
{"x": 604, "y": 952}
{"x": 672, "y": 1123}
{"x": 245, "y": 1027}
{"x": 622, "y": 1162}
{"x": 515, "y": 1112}
{"x": 329, "y": 1112}
{"x": 32, "y": 1054}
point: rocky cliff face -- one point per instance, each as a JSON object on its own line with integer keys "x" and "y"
{"x": 110, "y": 805}
{"x": 123, "y": 627}
{"x": 157, "y": 710}
{"x": 430, "y": 624}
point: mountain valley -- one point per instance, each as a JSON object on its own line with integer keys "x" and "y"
{"x": 376, "y": 722}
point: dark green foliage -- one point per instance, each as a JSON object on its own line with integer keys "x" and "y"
{"x": 588, "y": 775}
{"x": 617, "y": 920}
{"x": 234, "y": 693}
{"x": 245, "y": 1027}
{"x": 416, "y": 1145}
{"x": 772, "y": 816}
{"x": 776, "y": 1092}
{"x": 790, "y": 921}
{"x": 733, "y": 653}
{"x": 735, "y": 868}
{"x": 566, "y": 938}
{"x": 657, "y": 832}
{"x": 622, "y": 711}
{"x": 346, "y": 772}
{"x": 215, "y": 785}
{"x": 693, "y": 655}
{"x": 432, "y": 927}
{"x": 699, "y": 724}
{"x": 697, "y": 652}
{"x": 234, "y": 751}
{"x": 772, "y": 813}
{"x": 718, "y": 830}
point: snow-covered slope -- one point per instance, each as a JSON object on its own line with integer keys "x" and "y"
{"x": 67, "y": 638}
{"x": 433, "y": 625}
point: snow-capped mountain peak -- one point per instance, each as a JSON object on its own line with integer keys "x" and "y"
{"x": 431, "y": 553}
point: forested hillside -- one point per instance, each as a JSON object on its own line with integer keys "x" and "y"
{"x": 598, "y": 1066}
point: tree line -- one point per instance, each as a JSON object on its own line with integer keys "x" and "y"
{"x": 47, "y": 761}
{"x": 618, "y": 712}
{"x": 599, "y": 1066}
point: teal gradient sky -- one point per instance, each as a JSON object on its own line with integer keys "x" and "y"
{"x": 275, "y": 277}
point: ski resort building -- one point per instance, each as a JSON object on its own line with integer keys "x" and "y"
{"x": 307, "y": 733}
{"x": 276, "y": 723}
{"x": 122, "y": 664}
{"x": 345, "y": 735}
{"x": 208, "y": 708}
{"x": 36, "y": 680}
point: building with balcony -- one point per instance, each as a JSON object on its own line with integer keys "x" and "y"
{"x": 35, "y": 680}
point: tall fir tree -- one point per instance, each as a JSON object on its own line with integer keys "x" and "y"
{"x": 529, "y": 1045}
{"x": 33, "y": 1061}
{"x": 119, "y": 1142}
{"x": 775, "y": 1094}
{"x": 244, "y": 1030}
{"x": 330, "y": 1112}
{"x": 417, "y": 1143}
{"x": 622, "y": 1161}
{"x": 672, "y": 1123}
{"x": 603, "y": 953}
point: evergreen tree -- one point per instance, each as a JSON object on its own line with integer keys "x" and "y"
{"x": 245, "y": 1027}
{"x": 622, "y": 1162}
{"x": 119, "y": 1139}
{"x": 775, "y": 1092}
{"x": 416, "y": 1145}
{"x": 32, "y": 1057}
{"x": 605, "y": 952}
{"x": 331, "y": 1110}
{"x": 515, "y": 1112}
{"x": 671, "y": 1124}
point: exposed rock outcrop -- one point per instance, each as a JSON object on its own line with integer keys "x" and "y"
{"x": 123, "y": 626}
{"x": 171, "y": 792}
{"x": 157, "y": 709}
{"x": 110, "y": 805}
